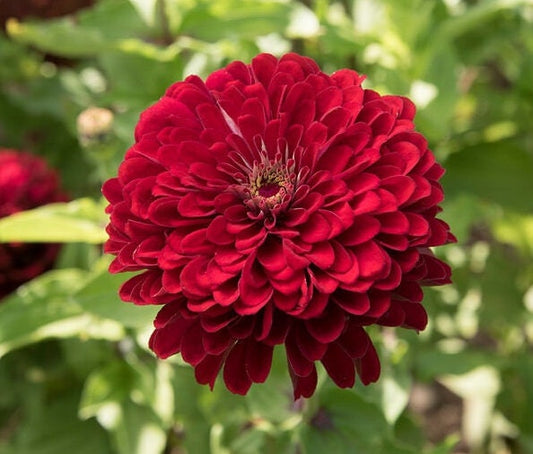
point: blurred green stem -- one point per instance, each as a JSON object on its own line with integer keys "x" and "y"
{"x": 162, "y": 19}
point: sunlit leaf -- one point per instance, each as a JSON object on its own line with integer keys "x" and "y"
{"x": 44, "y": 309}
{"x": 81, "y": 220}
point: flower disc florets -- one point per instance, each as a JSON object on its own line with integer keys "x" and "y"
{"x": 26, "y": 182}
{"x": 275, "y": 204}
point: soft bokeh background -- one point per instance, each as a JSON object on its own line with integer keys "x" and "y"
{"x": 75, "y": 373}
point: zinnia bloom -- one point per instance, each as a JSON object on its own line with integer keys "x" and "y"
{"x": 275, "y": 204}
{"x": 25, "y": 182}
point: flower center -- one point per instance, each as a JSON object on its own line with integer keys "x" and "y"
{"x": 270, "y": 185}
{"x": 268, "y": 190}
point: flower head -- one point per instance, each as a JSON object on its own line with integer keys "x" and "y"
{"x": 26, "y": 182}
{"x": 275, "y": 204}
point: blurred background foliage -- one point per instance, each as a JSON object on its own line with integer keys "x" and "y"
{"x": 75, "y": 372}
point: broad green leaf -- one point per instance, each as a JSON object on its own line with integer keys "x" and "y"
{"x": 94, "y": 30}
{"x": 110, "y": 384}
{"x": 99, "y": 296}
{"x": 188, "y": 399}
{"x": 344, "y": 423}
{"x": 395, "y": 396}
{"x": 136, "y": 430}
{"x": 475, "y": 16}
{"x": 81, "y": 220}
{"x": 250, "y": 441}
{"x": 61, "y": 37}
{"x": 43, "y": 308}
{"x": 435, "y": 118}
{"x": 146, "y": 9}
{"x": 516, "y": 230}
{"x": 515, "y": 398}
{"x": 498, "y": 172}
{"x": 212, "y": 21}
{"x": 135, "y": 64}
{"x": 108, "y": 394}
{"x": 434, "y": 363}
{"x": 58, "y": 430}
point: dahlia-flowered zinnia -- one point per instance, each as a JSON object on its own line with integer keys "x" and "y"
{"x": 275, "y": 204}
{"x": 26, "y": 182}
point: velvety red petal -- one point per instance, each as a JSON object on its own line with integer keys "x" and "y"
{"x": 304, "y": 386}
{"x": 328, "y": 327}
{"x": 235, "y": 375}
{"x": 368, "y": 367}
{"x": 299, "y": 364}
{"x": 339, "y": 366}
{"x": 207, "y": 370}
{"x": 258, "y": 361}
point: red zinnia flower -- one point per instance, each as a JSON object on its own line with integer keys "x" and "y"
{"x": 25, "y": 182}
{"x": 274, "y": 204}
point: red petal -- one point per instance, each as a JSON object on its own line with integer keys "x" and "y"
{"x": 194, "y": 205}
{"x": 401, "y": 186}
{"x": 322, "y": 255}
{"x": 379, "y": 304}
{"x": 328, "y": 326}
{"x": 354, "y": 341}
{"x": 192, "y": 350}
{"x": 303, "y": 386}
{"x": 271, "y": 256}
{"x": 415, "y": 316}
{"x": 298, "y": 363}
{"x": 217, "y": 233}
{"x": 166, "y": 341}
{"x": 339, "y": 366}
{"x": 316, "y": 229}
{"x": 207, "y": 370}
{"x": 309, "y": 346}
{"x": 235, "y": 376}
{"x": 371, "y": 258}
{"x": 368, "y": 367}
{"x": 216, "y": 343}
{"x": 258, "y": 361}
{"x": 395, "y": 223}
{"x": 353, "y": 303}
{"x": 226, "y": 293}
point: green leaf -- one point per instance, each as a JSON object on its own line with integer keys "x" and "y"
{"x": 146, "y": 10}
{"x": 498, "y": 172}
{"x": 107, "y": 394}
{"x": 136, "y": 430}
{"x": 94, "y": 30}
{"x": 212, "y": 21}
{"x": 81, "y": 220}
{"x": 344, "y": 423}
{"x": 58, "y": 430}
{"x": 516, "y": 230}
{"x": 43, "y": 308}
{"x": 110, "y": 384}
{"x": 61, "y": 37}
{"x": 434, "y": 363}
{"x": 99, "y": 296}
{"x": 395, "y": 396}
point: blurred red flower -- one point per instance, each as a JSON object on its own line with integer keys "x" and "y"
{"x": 26, "y": 182}
{"x": 275, "y": 204}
